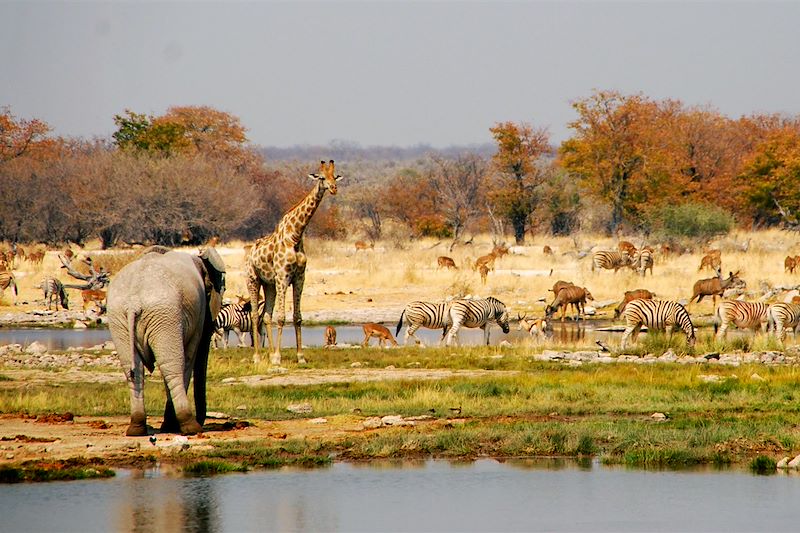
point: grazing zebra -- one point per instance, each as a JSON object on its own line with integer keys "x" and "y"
{"x": 424, "y": 315}
{"x": 744, "y": 315}
{"x": 656, "y": 315}
{"x": 7, "y": 280}
{"x": 610, "y": 260}
{"x": 642, "y": 260}
{"x": 476, "y": 314}
{"x": 782, "y": 316}
{"x": 236, "y": 318}
{"x": 53, "y": 289}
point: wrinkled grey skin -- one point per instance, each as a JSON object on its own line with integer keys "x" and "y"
{"x": 161, "y": 311}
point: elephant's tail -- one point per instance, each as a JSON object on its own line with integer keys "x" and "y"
{"x": 133, "y": 312}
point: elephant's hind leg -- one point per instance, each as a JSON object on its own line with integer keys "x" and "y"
{"x": 176, "y": 369}
{"x": 135, "y": 375}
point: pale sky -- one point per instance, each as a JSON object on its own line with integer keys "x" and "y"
{"x": 389, "y": 73}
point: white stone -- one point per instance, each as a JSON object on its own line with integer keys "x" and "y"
{"x": 505, "y": 344}
{"x": 372, "y": 422}
{"x": 709, "y": 378}
{"x": 319, "y": 420}
{"x": 217, "y": 415}
{"x": 355, "y": 364}
{"x": 36, "y": 347}
{"x": 79, "y": 325}
{"x": 659, "y": 417}
{"x": 794, "y": 462}
{"x": 241, "y": 407}
{"x": 783, "y": 463}
{"x": 392, "y": 420}
{"x": 299, "y": 408}
{"x": 756, "y": 377}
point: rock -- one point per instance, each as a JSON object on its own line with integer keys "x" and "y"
{"x": 318, "y": 421}
{"x": 783, "y": 463}
{"x": 756, "y": 377}
{"x": 36, "y": 348}
{"x": 390, "y": 367}
{"x": 229, "y": 380}
{"x": 299, "y": 408}
{"x": 392, "y": 420}
{"x": 79, "y": 325}
{"x": 355, "y": 364}
{"x": 241, "y": 407}
{"x": 276, "y": 370}
{"x": 794, "y": 462}
{"x": 659, "y": 417}
{"x": 711, "y": 355}
{"x": 372, "y": 422}
{"x": 709, "y": 378}
{"x": 669, "y": 356}
{"x": 216, "y": 415}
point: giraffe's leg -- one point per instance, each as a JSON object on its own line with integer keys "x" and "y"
{"x": 254, "y": 289}
{"x": 297, "y": 316}
{"x": 281, "y": 286}
{"x": 266, "y": 316}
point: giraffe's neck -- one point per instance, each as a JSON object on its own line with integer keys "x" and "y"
{"x": 293, "y": 223}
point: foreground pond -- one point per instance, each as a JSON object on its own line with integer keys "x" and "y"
{"x": 426, "y": 496}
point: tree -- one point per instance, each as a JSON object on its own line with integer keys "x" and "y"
{"x": 620, "y": 153}
{"x": 20, "y": 137}
{"x": 458, "y": 184}
{"x": 513, "y": 193}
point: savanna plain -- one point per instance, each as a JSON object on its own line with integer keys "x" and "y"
{"x": 505, "y": 400}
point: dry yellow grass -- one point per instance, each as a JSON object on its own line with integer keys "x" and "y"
{"x": 340, "y": 279}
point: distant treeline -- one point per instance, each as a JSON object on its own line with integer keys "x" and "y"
{"x": 632, "y": 163}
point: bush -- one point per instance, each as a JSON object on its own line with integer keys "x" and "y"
{"x": 696, "y": 221}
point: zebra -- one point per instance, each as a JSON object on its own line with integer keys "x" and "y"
{"x": 236, "y": 317}
{"x": 783, "y": 316}
{"x": 53, "y": 289}
{"x": 7, "y": 280}
{"x": 658, "y": 315}
{"x": 642, "y": 260}
{"x": 611, "y": 260}
{"x": 476, "y": 314}
{"x": 741, "y": 314}
{"x": 424, "y": 315}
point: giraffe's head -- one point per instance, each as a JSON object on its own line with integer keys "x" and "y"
{"x": 327, "y": 175}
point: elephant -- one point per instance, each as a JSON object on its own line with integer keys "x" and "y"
{"x": 161, "y": 310}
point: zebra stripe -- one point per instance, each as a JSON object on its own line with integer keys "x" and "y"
{"x": 7, "y": 280}
{"x": 642, "y": 260}
{"x": 741, "y": 314}
{"x": 424, "y": 315}
{"x": 53, "y": 289}
{"x": 783, "y": 316}
{"x": 476, "y": 314}
{"x": 656, "y": 315}
{"x": 610, "y": 260}
{"x": 236, "y": 318}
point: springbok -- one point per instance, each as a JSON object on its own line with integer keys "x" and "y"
{"x": 535, "y": 327}
{"x": 445, "y": 262}
{"x": 330, "y": 336}
{"x": 380, "y": 332}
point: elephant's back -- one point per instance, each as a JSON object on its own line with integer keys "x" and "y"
{"x": 154, "y": 279}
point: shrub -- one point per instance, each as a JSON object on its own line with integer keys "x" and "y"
{"x": 696, "y": 221}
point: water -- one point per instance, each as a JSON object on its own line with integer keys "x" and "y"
{"x": 426, "y": 496}
{"x": 566, "y": 333}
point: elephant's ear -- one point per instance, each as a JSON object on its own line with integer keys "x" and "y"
{"x": 214, "y": 277}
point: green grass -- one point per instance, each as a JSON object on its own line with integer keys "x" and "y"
{"x": 37, "y": 471}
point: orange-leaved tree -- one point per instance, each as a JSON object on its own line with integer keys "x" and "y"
{"x": 518, "y": 174}
{"x": 20, "y": 136}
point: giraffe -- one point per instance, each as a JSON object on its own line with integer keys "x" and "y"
{"x": 278, "y": 260}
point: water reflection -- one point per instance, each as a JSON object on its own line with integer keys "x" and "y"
{"x": 485, "y": 495}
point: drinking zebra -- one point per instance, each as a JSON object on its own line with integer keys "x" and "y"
{"x": 53, "y": 289}
{"x": 424, "y": 315}
{"x": 782, "y": 316}
{"x": 611, "y": 260}
{"x": 476, "y": 314}
{"x": 656, "y": 315}
{"x": 236, "y": 318}
{"x": 744, "y": 315}
{"x": 7, "y": 280}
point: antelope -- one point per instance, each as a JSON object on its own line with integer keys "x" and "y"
{"x": 535, "y": 327}
{"x": 714, "y": 287}
{"x": 361, "y": 245}
{"x": 484, "y": 271}
{"x": 625, "y": 246}
{"x": 94, "y": 295}
{"x": 330, "y": 336}
{"x": 712, "y": 260}
{"x": 499, "y": 250}
{"x": 487, "y": 260}
{"x": 789, "y": 264}
{"x": 569, "y": 295}
{"x": 379, "y": 332}
{"x": 547, "y": 250}
{"x": 445, "y": 262}
{"x": 636, "y": 294}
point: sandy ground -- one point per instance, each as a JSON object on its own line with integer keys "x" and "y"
{"x": 62, "y": 436}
